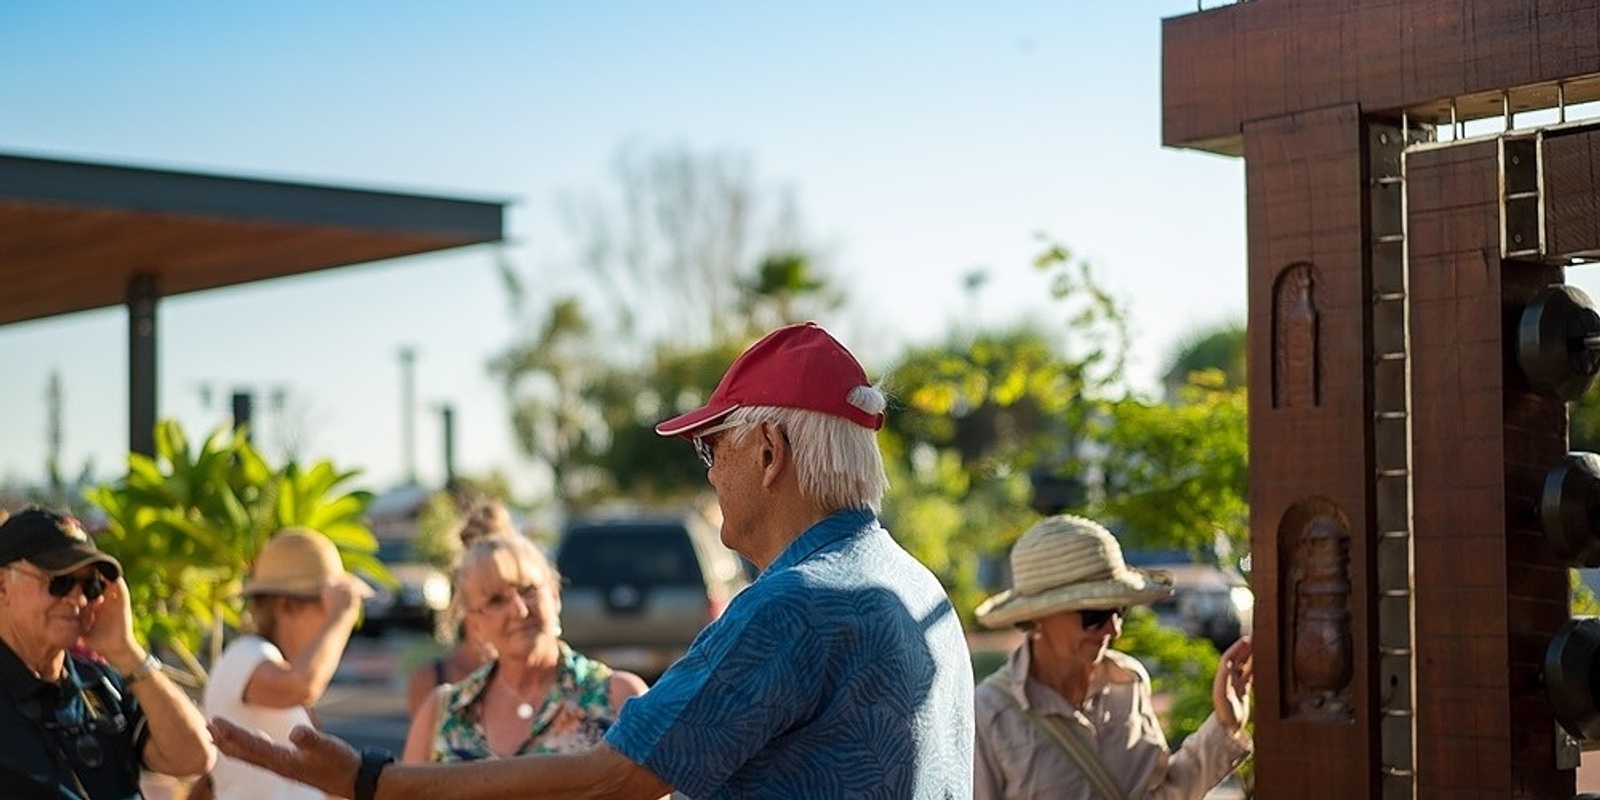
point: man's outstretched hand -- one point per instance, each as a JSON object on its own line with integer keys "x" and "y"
{"x": 325, "y": 762}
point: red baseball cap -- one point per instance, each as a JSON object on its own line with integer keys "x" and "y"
{"x": 796, "y": 366}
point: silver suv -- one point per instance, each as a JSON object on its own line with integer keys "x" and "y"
{"x": 1207, "y": 601}
{"x": 638, "y": 589}
{"x": 419, "y": 599}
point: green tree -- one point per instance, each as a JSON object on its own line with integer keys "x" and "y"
{"x": 1219, "y": 347}
{"x": 693, "y": 258}
{"x": 439, "y": 518}
{"x": 549, "y": 379}
{"x": 671, "y": 239}
{"x": 187, "y": 523}
{"x": 785, "y": 289}
{"x": 979, "y": 416}
{"x": 640, "y": 463}
{"x": 1176, "y": 474}
{"x": 1583, "y": 428}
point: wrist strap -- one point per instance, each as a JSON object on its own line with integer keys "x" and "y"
{"x": 373, "y": 760}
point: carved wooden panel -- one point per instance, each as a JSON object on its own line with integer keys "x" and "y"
{"x": 1315, "y": 541}
{"x": 1304, "y": 177}
{"x": 1295, "y": 356}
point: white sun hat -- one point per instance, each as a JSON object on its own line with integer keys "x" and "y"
{"x": 1065, "y": 563}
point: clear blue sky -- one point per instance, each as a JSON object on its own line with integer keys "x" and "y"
{"x": 922, "y": 141}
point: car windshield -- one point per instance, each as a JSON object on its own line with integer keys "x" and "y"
{"x": 646, "y": 555}
{"x": 395, "y": 551}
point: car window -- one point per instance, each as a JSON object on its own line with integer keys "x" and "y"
{"x": 395, "y": 551}
{"x": 646, "y": 555}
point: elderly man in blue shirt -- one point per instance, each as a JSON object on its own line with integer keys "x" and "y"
{"x": 841, "y": 672}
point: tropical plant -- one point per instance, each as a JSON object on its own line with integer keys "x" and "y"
{"x": 1220, "y": 346}
{"x": 980, "y": 419}
{"x": 1583, "y": 428}
{"x": 187, "y": 522}
{"x": 692, "y": 258}
{"x": 1176, "y": 474}
{"x": 970, "y": 420}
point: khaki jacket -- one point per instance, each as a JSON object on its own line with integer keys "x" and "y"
{"x": 1015, "y": 759}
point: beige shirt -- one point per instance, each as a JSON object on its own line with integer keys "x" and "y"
{"x": 1014, "y": 758}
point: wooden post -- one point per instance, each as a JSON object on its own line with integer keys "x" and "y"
{"x": 1404, "y": 591}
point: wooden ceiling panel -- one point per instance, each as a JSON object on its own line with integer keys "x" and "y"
{"x": 74, "y": 235}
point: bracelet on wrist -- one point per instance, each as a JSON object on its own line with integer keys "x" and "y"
{"x": 149, "y": 665}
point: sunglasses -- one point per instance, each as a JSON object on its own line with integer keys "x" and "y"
{"x": 84, "y": 743}
{"x": 82, "y": 723}
{"x": 93, "y": 585}
{"x": 702, "y": 444}
{"x": 1095, "y": 617}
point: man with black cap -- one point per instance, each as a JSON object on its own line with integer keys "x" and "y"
{"x": 842, "y": 671}
{"x": 75, "y": 727}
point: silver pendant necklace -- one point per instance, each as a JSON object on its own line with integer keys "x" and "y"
{"x": 524, "y": 710}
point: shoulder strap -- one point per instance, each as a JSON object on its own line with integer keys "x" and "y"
{"x": 1068, "y": 738}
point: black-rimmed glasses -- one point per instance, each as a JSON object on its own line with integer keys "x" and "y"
{"x": 1096, "y": 617}
{"x": 93, "y": 584}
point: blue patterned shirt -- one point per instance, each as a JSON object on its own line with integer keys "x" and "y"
{"x": 841, "y": 672}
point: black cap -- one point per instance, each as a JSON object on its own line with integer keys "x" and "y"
{"x": 52, "y": 542}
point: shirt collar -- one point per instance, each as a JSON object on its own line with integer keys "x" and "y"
{"x": 1016, "y": 672}
{"x": 17, "y": 679}
{"x": 838, "y": 525}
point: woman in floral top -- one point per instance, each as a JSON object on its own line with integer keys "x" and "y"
{"x": 536, "y": 695}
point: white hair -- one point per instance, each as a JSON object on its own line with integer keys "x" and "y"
{"x": 837, "y": 462}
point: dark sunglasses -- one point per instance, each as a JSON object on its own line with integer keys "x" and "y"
{"x": 82, "y": 724}
{"x": 93, "y": 585}
{"x": 84, "y": 743}
{"x": 1095, "y": 617}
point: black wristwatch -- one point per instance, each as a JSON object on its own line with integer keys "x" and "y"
{"x": 373, "y": 760}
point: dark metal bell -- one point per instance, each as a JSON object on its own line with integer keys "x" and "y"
{"x": 1569, "y": 510}
{"x": 1569, "y": 663}
{"x": 1556, "y": 342}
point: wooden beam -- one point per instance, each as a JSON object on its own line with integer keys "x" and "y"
{"x": 1227, "y": 66}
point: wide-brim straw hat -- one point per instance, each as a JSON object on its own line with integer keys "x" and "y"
{"x": 1064, "y": 563}
{"x": 295, "y": 562}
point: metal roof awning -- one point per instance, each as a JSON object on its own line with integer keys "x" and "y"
{"x": 76, "y": 236}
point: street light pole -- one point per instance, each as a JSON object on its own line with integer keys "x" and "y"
{"x": 408, "y": 411}
{"x": 447, "y": 416}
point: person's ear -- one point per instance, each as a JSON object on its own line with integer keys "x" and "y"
{"x": 774, "y": 452}
{"x": 773, "y": 442}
